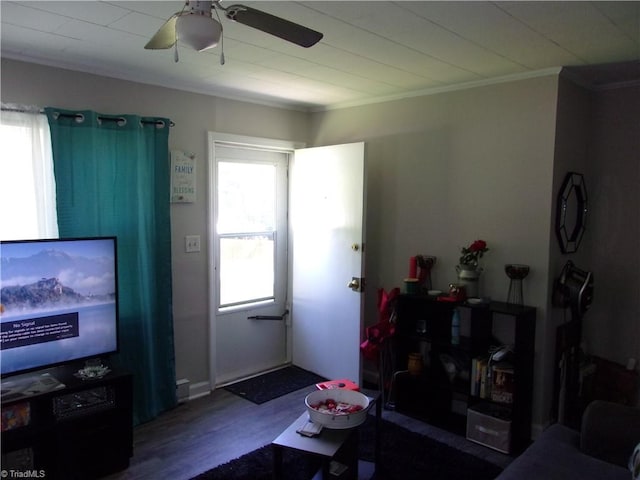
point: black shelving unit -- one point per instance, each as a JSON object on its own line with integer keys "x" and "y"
{"x": 432, "y": 395}
{"x": 81, "y": 431}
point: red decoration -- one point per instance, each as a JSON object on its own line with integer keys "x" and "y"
{"x": 384, "y": 329}
{"x": 413, "y": 267}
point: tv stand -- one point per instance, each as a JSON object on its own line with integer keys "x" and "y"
{"x": 77, "y": 430}
{"x": 28, "y": 385}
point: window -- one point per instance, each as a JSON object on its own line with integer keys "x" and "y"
{"x": 27, "y": 185}
{"x": 247, "y": 231}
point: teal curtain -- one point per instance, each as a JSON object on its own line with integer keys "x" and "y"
{"x": 112, "y": 178}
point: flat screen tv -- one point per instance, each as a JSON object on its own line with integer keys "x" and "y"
{"x": 58, "y": 302}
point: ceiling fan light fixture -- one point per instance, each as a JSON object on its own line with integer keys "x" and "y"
{"x": 198, "y": 31}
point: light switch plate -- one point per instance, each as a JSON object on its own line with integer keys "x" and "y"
{"x": 192, "y": 243}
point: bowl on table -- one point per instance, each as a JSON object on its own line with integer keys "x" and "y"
{"x": 351, "y": 408}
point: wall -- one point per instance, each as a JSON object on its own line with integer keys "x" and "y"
{"x": 447, "y": 169}
{"x": 570, "y": 152}
{"x": 193, "y": 115}
{"x": 598, "y": 135}
{"x": 612, "y": 325}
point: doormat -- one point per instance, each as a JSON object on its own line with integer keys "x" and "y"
{"x": 405, "y": 455}
{"x": 274, "y": 384}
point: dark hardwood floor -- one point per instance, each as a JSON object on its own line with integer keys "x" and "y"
{"x": 203, "y": 433}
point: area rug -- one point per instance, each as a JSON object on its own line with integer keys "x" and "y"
{"x": 274, "y": 384}
{"x": 405, "y": 455}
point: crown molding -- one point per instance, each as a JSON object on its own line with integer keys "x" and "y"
{"x": 448, "y": 88}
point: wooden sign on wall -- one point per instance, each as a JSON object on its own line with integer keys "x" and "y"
{"x": 183, "y": 177}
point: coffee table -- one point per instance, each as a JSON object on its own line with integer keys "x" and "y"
{"x": 330, "y": 444}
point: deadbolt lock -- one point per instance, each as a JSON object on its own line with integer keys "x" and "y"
{"x": 356, "y": 284}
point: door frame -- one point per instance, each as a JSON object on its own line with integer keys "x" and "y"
{"x": 214, "y": 138}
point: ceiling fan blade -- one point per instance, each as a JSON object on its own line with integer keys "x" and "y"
{"x": 165, "y": 37}
{"x": 279, "y": 27}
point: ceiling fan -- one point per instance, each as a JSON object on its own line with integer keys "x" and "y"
{"x": 195, "y": 26}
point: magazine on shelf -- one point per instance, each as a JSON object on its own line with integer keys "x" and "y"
{"x": 502, "y": 382}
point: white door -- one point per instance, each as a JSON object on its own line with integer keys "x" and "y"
{"x": 250, "y": 266}
{"x": 327, "y": 216}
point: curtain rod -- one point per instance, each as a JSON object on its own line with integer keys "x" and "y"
{"x": 112, "y": 119}
{"x": 21, "y": 108}
{"x": 34, "y": 110}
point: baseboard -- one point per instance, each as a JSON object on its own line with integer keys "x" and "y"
{"x": 198, "y": 390}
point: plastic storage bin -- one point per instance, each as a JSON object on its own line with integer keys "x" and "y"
{"x": 490, "y": 425}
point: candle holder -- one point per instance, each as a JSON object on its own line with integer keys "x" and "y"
{"x": 516, "y": 273}
{"x": 425, "y": 264}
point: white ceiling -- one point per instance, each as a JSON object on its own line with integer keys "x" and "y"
{"x": 371, "y": 50}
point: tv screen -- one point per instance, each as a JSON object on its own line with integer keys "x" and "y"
{"x": 58, "y": 302}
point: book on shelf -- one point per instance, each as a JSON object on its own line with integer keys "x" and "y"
{"x": 479, "y": 376}
{"x": 16, "y": 416}
{"x": 472, "y": 379}
{"x": 502, "y": 382}
{"x": 484, "y": 384}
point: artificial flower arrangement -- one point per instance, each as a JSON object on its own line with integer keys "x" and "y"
{"x": 473, "y": 252}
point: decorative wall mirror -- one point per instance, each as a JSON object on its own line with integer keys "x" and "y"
{"x": 571, "y": 212}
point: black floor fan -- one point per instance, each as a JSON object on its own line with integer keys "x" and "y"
{"x": 574, "y": 291}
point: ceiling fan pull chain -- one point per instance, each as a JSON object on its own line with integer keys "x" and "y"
{"x": 222, "y": 49}
{"x": 176, "y": 58}
{"x": 222, "y": 60}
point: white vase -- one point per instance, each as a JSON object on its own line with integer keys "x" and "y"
{"x": 468, "y": 277}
